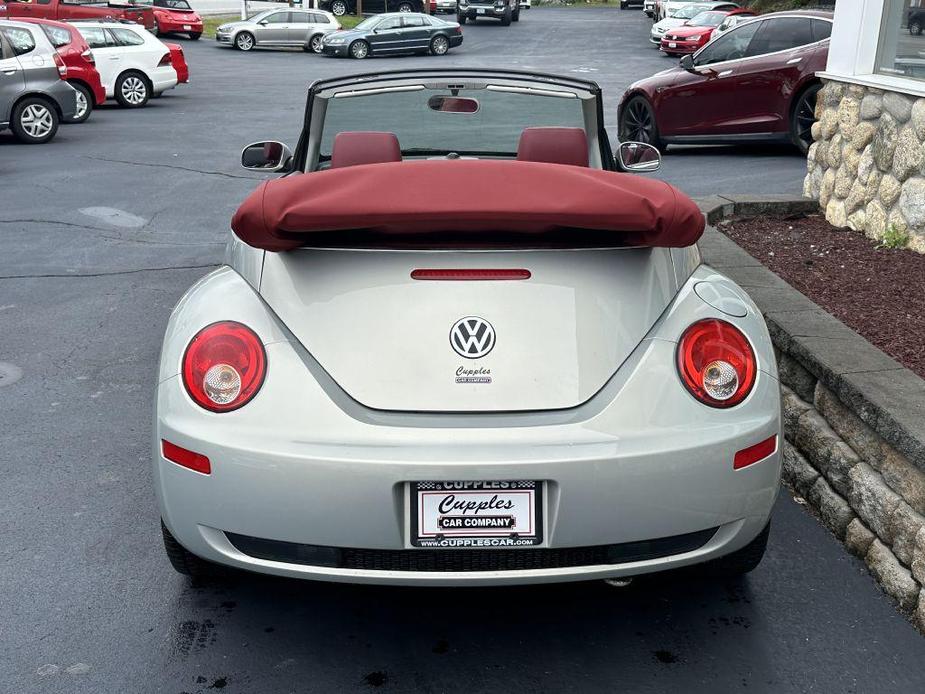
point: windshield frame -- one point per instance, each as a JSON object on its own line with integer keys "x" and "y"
{"x": 321, "y": 90}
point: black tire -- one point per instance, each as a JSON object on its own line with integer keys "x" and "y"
{"x": 133, "y": 90}
{"x": 185, "y": 562}
{"x": 515, "y": 15}
{"x": 314, "y": 44}
{"x": 461, "y": 19}
{"x": 739, "y": 562}
{"x": 915, "y": 28}
{"x": 157, "y": 29}
{"x": 439, "y": 45}
{"x": 34, "y": 121}
{"x": 405, "y": 7}
{"x": 359, "y": 49}
{"x": 506, "y": 19}
{"x": 623, "y": 4}
{"x": 194, "y": 36}
{"x": 84, "y": 103}
{"x": 339, "y": 8}
{"x": 245, "y": 41}
{"x": 802, "y": 117}
{"x": 637, "y": 123}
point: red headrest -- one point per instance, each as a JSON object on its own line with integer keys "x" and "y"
{"x": 554, "y": 146}
{"x": 353, "y": 148}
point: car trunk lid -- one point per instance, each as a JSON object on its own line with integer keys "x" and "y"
{"x": 544, "y": 343}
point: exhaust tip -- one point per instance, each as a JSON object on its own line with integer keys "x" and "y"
{"x": 618, "y": 582}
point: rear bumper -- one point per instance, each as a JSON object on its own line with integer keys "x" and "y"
{"x": 163, "y": 78}
{"x": 488, "y": 11}
{"x": 180, "y": 27}
{"x": 680, "y": 48}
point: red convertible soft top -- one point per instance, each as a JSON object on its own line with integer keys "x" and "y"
{"x": 472, "y": 202}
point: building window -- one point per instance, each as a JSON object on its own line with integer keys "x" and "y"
{"x": 902, "y": 39}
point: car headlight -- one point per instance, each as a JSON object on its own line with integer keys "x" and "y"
{"x": 694, "y": 38}
{"x": 334, "y": 41}
{"x": 223, "y": 30}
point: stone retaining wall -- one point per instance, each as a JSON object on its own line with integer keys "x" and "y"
{"x": 867, "y": 164}
{"x": 854, "y": 419}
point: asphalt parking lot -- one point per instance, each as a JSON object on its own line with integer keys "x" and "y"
{"x": 101, "y": 232}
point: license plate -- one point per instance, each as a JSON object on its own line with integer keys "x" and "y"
{"x": 480, "y": 11}
{"x": 447, "y": 515}
{"x": 672, "y": 44}
{"x": 187, "y": 27}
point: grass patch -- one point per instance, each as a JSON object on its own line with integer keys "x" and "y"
{"x": 210, "y": 24}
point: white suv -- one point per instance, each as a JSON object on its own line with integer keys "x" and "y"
{"x": 133, "y": 64}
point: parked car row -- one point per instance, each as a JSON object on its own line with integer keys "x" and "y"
{"x": 742, "y": 77}
{"x": 53, "y": 71}
{"x": 318, "y": 31}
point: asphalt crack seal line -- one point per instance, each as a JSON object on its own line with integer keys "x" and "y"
{"x": 173, "y": 166}
{"x": 109, "y": 274}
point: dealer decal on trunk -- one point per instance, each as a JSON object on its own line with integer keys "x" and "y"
{"x": 473, "y": 338}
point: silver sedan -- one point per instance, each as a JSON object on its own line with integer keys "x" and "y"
{"x": 279, "y": 28}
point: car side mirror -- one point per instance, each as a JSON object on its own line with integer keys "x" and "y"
{"x": 687, "y": 62}
{"x": 639, "y": 157}
{"x": 270, "y": 156}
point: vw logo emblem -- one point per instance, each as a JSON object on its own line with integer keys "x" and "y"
{"x": 472, "y": 337}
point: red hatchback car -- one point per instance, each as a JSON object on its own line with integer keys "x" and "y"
{"x": 79, "y": 62}
{"x": 696, "y": 32}
{"x": 757, "y": 82}
{"x": 174, "y": 17}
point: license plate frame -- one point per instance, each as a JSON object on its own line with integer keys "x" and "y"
{"x": 514, "y": 514}
{"x": 480, "y": 10}
{"x": 187, "y": 27}
{"x": 672, "y": 44}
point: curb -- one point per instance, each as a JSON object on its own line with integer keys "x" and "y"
{"x": 854, "y": 418}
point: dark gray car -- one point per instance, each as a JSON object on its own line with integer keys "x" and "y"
{"x": 34, "y": 97}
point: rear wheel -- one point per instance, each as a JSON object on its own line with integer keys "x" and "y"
{"x": 184, "y": 561}
{"x": 338, "y": 8}
{"x": 84, "y": 103}
{"x": 405, "y": 7}
{"x": 194, "y": 36}
{"x": 439, "y": 45}
{"x": 802, "y": 118}
{"x": 359, "y": 49}
{"x": 244, "y": 41}
{"x": 739, "y": 562}
{"x": 132, "y": 90}
{"x": 915, "y": 27}
{"x": 34, "y": 121}
{"x": 314, "y": 44}
{"x": 637, "y": 123}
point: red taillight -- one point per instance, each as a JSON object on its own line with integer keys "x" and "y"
{"x": 165, "y": 60}
{"x": 716, "y": 363}
{"x": 753, "y": 454}
{"x": 189, "y": 459}
{"x": 224, "y": 366}
{"x": 62, "y": 68}
{"x": 470, "y": 275}
{"x": 88, "y": 56}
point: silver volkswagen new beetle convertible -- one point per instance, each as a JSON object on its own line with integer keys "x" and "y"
{"x": 460, "y": 342}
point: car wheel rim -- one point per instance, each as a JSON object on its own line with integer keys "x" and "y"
{"x": 36, "y": 121}
{"x": 245, "y": 43}
{"x": 81, "y": 105}
{"x": 404, "y": 8}
{"x": 637, "y": 123}
{"x": 440, "y": 46}
{"x": 134, "y": 90}
{"x": 806, "y": 116}
{"x": 339, "y": 9}
{"x": 316, "y": 44}
{"x": 359, "y": 50}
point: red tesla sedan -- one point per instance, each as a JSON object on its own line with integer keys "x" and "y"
{"x": 696, "y": 32}
{"x": 81, "y": 72}
{"x": 755, "y": 83}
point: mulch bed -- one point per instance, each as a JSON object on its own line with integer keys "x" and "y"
{"x": 878, "y": 292}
